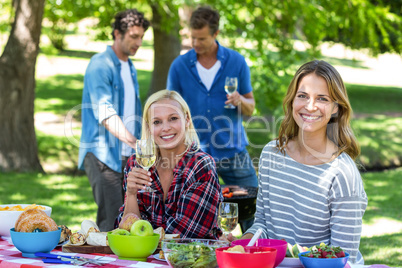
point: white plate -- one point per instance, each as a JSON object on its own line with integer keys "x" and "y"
{"x": 156, "y": 256}
{"x": 290, "y": 262}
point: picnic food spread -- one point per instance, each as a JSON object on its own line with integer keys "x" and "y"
{"x": 34, "y": 220}
{"x": 293, "y": 250}
{"x": 88, "y": 234}
{"x": 193, "y": 254}
{"x": 20, "y": 208}
{"x": 325, "y": 251}
{"x": 236, "y": 249}
{"x": 65, "y": 233}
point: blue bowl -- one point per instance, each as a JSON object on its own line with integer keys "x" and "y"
{"x": 320, "y": 263}
{"x": 30, "y": 243}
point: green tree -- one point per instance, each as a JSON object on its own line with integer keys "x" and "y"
{"x": 273, "y": 26}
{"x": 18, "y": 147}
{"x": 270, "y": 26}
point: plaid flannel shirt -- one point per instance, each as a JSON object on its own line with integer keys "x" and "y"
{"x": 191, "y": 206}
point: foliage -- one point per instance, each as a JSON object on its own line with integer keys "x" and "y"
{"x": 6, "y": 15}
{"x": 270, "y": 28}
{"x": 61, "y": 13}
{"x": 275, "y": 26}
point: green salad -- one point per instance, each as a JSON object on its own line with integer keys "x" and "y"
{"x": 193, "y": 254}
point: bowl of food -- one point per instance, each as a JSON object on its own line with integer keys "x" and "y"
{"x": 191, "y": 252}
{"x": 250, "y": 257}
{"x": 9, "y": 214}
{"x": 279, "y": 245}
{"x": 132, "y": 247}
{"x": 310, "y": 260}
{"x": 31, "y": 242}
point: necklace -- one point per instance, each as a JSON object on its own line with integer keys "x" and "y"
{"x": 185, "y": 150}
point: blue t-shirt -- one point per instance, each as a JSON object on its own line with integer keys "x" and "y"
{"x": 103, "y": 97}
{"x": 220, "y": 130}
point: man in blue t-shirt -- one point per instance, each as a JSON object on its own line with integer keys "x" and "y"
{"x": 111, "y": 115}
{"x": 199, "y": 76}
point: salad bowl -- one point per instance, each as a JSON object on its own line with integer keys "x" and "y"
{"x": 191, "y": 252}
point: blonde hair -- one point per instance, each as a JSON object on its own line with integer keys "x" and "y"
{"x": 339, "y": 130}
{"x": 190, "y": 135}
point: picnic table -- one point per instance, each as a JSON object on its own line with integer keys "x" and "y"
{"x": 11, "y": 257}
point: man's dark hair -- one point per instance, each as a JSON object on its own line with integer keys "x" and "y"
{"x": 205, "y": 16}
{"x": 128, "y": 18}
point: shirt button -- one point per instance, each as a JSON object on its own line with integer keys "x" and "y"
{"x": 209, "y": 111}
{"x": 209, "y": 94}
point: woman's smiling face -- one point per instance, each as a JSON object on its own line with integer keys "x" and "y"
{"x": 167, "y": 124}
{"x": 312, "y": 105}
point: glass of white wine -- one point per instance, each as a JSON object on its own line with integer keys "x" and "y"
{"x": 228, "y": 217}
{"x": 230, "y": 88}
{"x": 145, "y": 151}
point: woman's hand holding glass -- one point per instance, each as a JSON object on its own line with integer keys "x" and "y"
{"x": 138, "y": 179}
{"x": 145, "y": 152}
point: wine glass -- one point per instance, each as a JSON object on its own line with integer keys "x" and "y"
{"x": 230, "y": 88}
{"x": 228, "y": 216}
{"x": 145, "y": 151}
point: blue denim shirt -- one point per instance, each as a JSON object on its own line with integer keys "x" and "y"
{"x": 220, "y": 130}
{"x": 102, "y": 97}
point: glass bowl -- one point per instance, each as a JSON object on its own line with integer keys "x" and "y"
{"x": 191, "y": 252}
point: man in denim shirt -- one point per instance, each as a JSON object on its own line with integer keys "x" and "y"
{"x": 199, "y": 76}
{"x": 111, "y": 115}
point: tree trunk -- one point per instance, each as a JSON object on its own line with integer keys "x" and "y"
{"x": 18, "y": 146}
{"x": 166, "y": 47}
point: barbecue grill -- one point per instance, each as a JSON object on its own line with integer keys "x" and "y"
{"x": 246, "y": 202}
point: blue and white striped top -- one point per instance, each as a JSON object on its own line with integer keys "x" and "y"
{"x": 307, "y": 204}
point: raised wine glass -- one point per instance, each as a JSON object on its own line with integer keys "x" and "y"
{"x": 228, "y": 216}
{"x": 145, "y": 152}
{"x": 230, "y": 88}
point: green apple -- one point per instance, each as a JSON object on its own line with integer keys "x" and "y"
{"x": 120, "y": 232}
{"x": 142, "y": 228}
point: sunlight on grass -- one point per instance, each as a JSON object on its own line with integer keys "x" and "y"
{"x": 382, "y": 249}
{"x": 374, "y": 99}
{"x": 66, "y": 197}
{"x": 374, "y": 135}
{"x": 17, "y": 197}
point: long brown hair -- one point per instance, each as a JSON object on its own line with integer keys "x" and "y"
{"x": 339, "y": 130}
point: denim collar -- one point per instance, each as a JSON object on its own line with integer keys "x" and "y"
{"x": 115, "y": 59}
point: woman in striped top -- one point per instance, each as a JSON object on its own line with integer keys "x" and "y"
{"x": 310, "y": 190}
